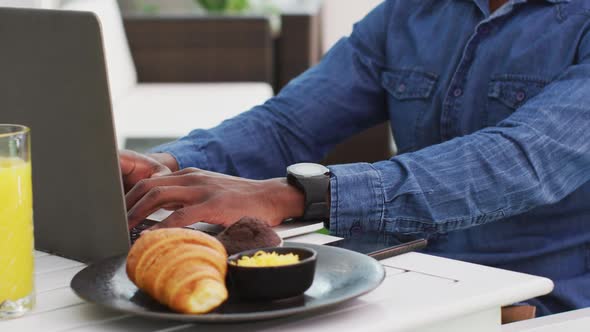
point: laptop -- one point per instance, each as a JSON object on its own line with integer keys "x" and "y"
{"x": 53, "y": 80}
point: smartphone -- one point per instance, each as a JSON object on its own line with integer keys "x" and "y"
{"x": 379, "y": 245}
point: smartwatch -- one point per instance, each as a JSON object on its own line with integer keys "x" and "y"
{"x": 314, "y": 181}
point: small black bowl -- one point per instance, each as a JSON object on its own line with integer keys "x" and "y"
{"x": 275, "y": 282}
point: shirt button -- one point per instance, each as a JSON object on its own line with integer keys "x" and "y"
{"x": 355, "y": 229}
{"x": 458, "y": 92}
{"x": 401, "y": 88}
{"x": 520, "y": 95}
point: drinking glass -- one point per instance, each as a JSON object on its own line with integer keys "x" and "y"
{"x": 16, "y": 222}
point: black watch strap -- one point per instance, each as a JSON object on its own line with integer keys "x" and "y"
{"x": 317, "y": 210}
{"x": 315, "y": 191}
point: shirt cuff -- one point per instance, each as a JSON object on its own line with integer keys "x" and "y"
{"x": 186, "y": 153}
{"x": 357, "y": 200}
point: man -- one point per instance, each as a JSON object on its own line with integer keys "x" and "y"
{"x": 489, "y": 103}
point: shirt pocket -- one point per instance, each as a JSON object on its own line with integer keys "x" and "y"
{"x": 506, "y": 93}
{"x": 409, "y": 97}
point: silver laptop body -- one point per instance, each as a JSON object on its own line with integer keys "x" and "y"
{"x": 53, "y": 79}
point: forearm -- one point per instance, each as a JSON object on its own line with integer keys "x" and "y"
{"x": 256, "y": 144}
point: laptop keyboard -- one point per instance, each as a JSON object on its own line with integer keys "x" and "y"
{"x": 135, "y": 232}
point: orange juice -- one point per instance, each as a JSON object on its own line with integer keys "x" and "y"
{"x": 16, "y": 229}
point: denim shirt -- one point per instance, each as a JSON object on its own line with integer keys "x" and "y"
{"x": 491, "y": 116}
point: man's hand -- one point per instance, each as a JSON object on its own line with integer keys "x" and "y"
{"x": 213, "y": 198}
{"x": 136, "y": 167}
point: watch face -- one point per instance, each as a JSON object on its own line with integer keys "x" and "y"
{"x": 307, "y": 169}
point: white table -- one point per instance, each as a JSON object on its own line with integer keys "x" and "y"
{"x": 420, "y": 292}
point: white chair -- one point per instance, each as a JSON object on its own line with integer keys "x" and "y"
{"x": 154, "y": 110}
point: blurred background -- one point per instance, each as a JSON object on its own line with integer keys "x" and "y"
{"x": 178, "y": 65}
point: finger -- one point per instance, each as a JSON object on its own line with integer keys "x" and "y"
{"x": 187, "y": 170}
{"x": 154, "y": 200}
{"x": 160, "y": 170}
{"x": 128, "y": 164}
{"x": 131, "y": 161}
{"x": 198, "y": 171}
{"x": 135, "y": 166}
{"x": 185, "y": 217}
{"x": 142, "y": 187}
{"x": 172, "y": 207}
{"x": 127, "y": 161}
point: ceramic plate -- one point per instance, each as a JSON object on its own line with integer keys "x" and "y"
{"x": 341, "y": 275}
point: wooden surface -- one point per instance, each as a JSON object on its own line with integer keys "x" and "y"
{"x": 200, "y": 48}
{"x": 177, "y": 47}
{"x": 298, "y": 47}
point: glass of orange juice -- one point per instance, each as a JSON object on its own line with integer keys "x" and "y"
{"x": 16, "y": 222}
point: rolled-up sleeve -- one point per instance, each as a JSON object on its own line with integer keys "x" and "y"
{"x": 357, "y": 199}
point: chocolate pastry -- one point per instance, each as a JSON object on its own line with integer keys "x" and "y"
{"x": 246, "y": 234}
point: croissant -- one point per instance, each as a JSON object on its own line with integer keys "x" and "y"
{"x": 181, "y": 268}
